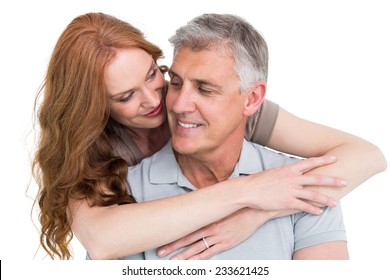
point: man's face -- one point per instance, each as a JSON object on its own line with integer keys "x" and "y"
{"x": 204, "y": 104}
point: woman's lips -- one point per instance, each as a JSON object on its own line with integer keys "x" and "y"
{"x": 157, "y": 111}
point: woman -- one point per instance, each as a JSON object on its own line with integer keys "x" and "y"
{"x": 103, "y": 111}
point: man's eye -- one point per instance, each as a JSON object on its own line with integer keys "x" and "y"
{"x": 203, "y": 90}
{"x": 174, "y": 83}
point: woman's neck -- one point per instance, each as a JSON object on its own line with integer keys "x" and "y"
{"x": 150, "y": 140}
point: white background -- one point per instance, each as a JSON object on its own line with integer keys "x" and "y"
{"x": 329, "y": 62}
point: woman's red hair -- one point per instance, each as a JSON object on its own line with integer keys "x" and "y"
{"x": 74, "y": 156}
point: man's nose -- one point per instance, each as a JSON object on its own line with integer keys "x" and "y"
{"x": 185, "y": 101}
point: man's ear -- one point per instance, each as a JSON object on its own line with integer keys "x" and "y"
{"x": 254, "y": 99}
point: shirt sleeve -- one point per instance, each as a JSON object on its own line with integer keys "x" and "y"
{"x": 310, "y": 230}
{"x": 260, "y": 126}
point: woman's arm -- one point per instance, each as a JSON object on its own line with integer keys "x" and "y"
{"x": 357, "y": 159}
{"x": 117, "y": 231}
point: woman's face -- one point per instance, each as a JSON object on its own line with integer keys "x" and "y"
{"x": 135, "y": 86}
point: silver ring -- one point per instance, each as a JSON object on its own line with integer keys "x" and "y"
{"x": 205, "y": 243}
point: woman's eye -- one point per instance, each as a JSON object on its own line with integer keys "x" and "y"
{"x": 153, "y": 74}
{"x": 126, "y": 98}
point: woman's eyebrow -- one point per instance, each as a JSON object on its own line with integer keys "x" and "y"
{"x": 132, "y": 89}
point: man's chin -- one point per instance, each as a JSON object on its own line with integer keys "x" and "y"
{"x": 183, "y": 150}
{"x": 186, "y": 147}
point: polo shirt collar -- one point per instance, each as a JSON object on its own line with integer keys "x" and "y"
{"x": 250, "y": 161}
{"x": 164, "y": 168}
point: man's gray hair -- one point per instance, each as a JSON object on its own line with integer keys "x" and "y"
{"x": 235, "y": 35}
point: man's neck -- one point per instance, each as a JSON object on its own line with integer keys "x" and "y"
{"x": 211, "y": 168}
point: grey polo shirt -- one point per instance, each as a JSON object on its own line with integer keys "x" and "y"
{"x": 159, "y": 176}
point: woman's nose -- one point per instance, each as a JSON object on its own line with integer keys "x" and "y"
{"x": 151, "y": 98}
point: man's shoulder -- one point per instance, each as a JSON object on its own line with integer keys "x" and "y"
{"x": 269, "y": 157}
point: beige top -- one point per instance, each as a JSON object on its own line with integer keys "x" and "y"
{"x": 258, "y": 129}
{"x": 260, "y": 126}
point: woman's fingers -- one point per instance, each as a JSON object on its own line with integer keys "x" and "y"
{"x": 303, "y": 206}
{"x": 207, "y": 254}
{"x": 306, "y": 165}
{"x": 195, "y": 250}
{"x": 180, "y": 243}
{"x": 320, "y": 180}
{"x": 196, "y": 246}
{"x": 281, "y": 188}
{"x": 314, "y": 196}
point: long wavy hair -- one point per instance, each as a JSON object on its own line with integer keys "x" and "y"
{"x": 74, "y": 157}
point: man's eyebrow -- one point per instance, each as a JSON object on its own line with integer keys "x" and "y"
{"x": 132, "y": 89}
{"x": 198, "y": 81}
{"x": 215, "y": 87}
{"x": 172, "y": 73}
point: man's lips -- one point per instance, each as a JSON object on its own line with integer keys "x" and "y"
{"x": 187, "y": 125}
{"x": 157, "y": 111}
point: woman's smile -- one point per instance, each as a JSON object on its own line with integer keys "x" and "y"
{"x": 156, "y": 111}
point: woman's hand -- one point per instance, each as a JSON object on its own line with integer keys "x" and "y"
{"x": 283, "y": 188}
{"x": 220, "y": 236}
{"x": 279, "y": 191}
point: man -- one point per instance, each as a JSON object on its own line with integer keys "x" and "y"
{"x": 217, "y": 81}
